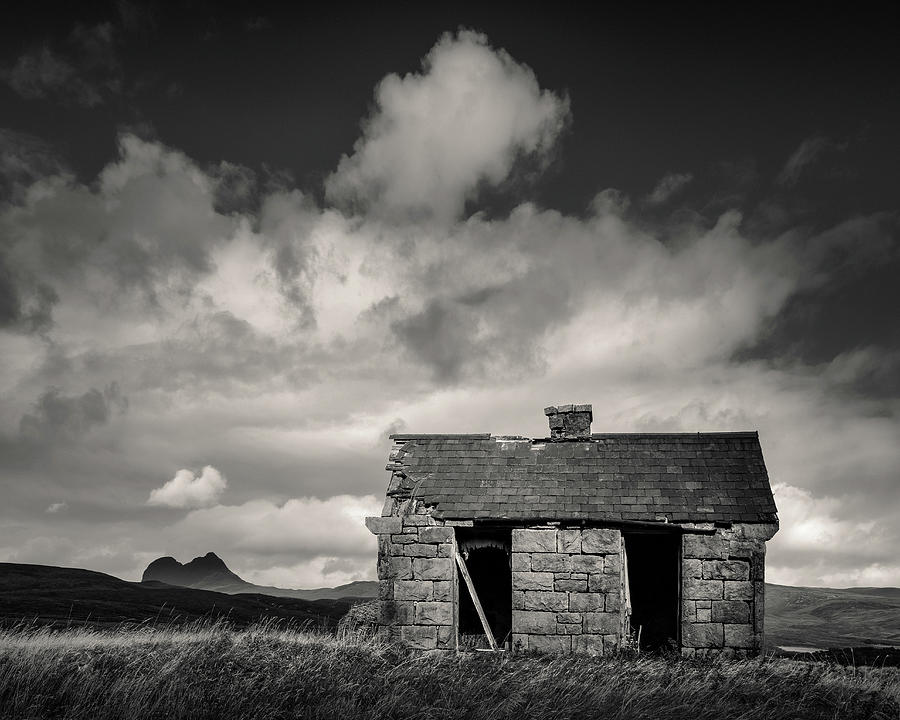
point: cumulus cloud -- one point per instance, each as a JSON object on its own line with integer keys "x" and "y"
{"x": 188, "y": 490}
{"x": 435, "y": 135}
{"x": 145, "y": 229}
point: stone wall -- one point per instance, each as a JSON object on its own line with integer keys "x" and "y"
{"x": 723, "y": 591}
{"x": 567, "y": 589}
{"x": 417, "y": 578}
{"x": 568, "y": 585}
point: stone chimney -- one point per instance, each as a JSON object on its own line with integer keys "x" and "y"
{"x": 569, "y": 422}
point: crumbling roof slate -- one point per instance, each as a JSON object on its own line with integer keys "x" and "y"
{"x": 699, "y": 477}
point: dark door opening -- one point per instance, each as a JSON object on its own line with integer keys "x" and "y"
{"x": 653, "y": 578}
{"x": 487, "y": 556}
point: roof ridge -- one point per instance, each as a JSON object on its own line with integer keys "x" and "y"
{"x": 487, "y": 436}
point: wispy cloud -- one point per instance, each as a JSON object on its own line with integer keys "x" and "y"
{"x": 86, "y": 73}
{"x": 668, "y": 187}
{"x": 805, "y": 156}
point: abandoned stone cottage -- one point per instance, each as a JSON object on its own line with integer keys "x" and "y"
{"x": 577, "y": 542}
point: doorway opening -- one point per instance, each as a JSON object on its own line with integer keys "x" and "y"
{"x": 487, "y": 556}
{"x": 653, "y": 561}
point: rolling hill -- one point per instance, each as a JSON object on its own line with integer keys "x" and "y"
{"x": 795, "y": 616}
{"x": 827, "y": 617}
{"x": 54, "y": 595}
{"x": 209, "y": 572}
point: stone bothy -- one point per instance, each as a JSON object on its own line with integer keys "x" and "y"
{"x": 578, "y": 542}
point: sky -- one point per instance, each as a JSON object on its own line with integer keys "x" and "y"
{"x": 240, "y": 247}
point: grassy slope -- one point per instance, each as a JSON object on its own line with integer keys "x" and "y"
{"x": 825, "y": 617}
{"x": 261, "y": 673}
{"x": 71, "y": 594}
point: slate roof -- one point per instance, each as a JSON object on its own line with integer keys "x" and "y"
{"x": 699, "y": 477}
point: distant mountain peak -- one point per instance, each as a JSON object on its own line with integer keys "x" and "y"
{"x": 210, "y": 560}
{"x": 209, "y": 572}
{"x": 205, "y": 571}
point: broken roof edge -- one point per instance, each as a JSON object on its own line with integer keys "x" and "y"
{"x": 592, "y": 436}
{"x": 438, "y": 436}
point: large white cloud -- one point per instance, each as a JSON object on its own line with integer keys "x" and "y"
{"x": 435, "y": 135}
{"x": 189, "y": 490}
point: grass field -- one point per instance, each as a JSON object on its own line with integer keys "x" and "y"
{"x": 267, "y": 671}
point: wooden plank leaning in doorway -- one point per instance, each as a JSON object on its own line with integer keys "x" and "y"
{"x": 474, "y": 595}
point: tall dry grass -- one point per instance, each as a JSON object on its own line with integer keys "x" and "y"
{"x": 271, "y": 671}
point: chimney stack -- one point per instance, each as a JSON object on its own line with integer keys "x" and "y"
{"x": 569, "y": 422}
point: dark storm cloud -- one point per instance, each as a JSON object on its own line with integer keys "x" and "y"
{"x": 26, "y": 304}
{"x": 58, "y": 416}
{"x": 286, "y": 220}
{"x": 440, "y": 336}
{"x": 218, "y": 350}
{"x": 850, "y": 283}
{"x": 236, "y": 188}
{"x": 398, "y": 425}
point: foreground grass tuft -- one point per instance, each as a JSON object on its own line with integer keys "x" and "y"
{"x": 211, "y": 671}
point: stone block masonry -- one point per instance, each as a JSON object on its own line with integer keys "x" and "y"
{"x": 568, "y": 585}
{"x": 567, "y": 590}
{"x": 722, "y": 590}
{"x": 417, "y": 577}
